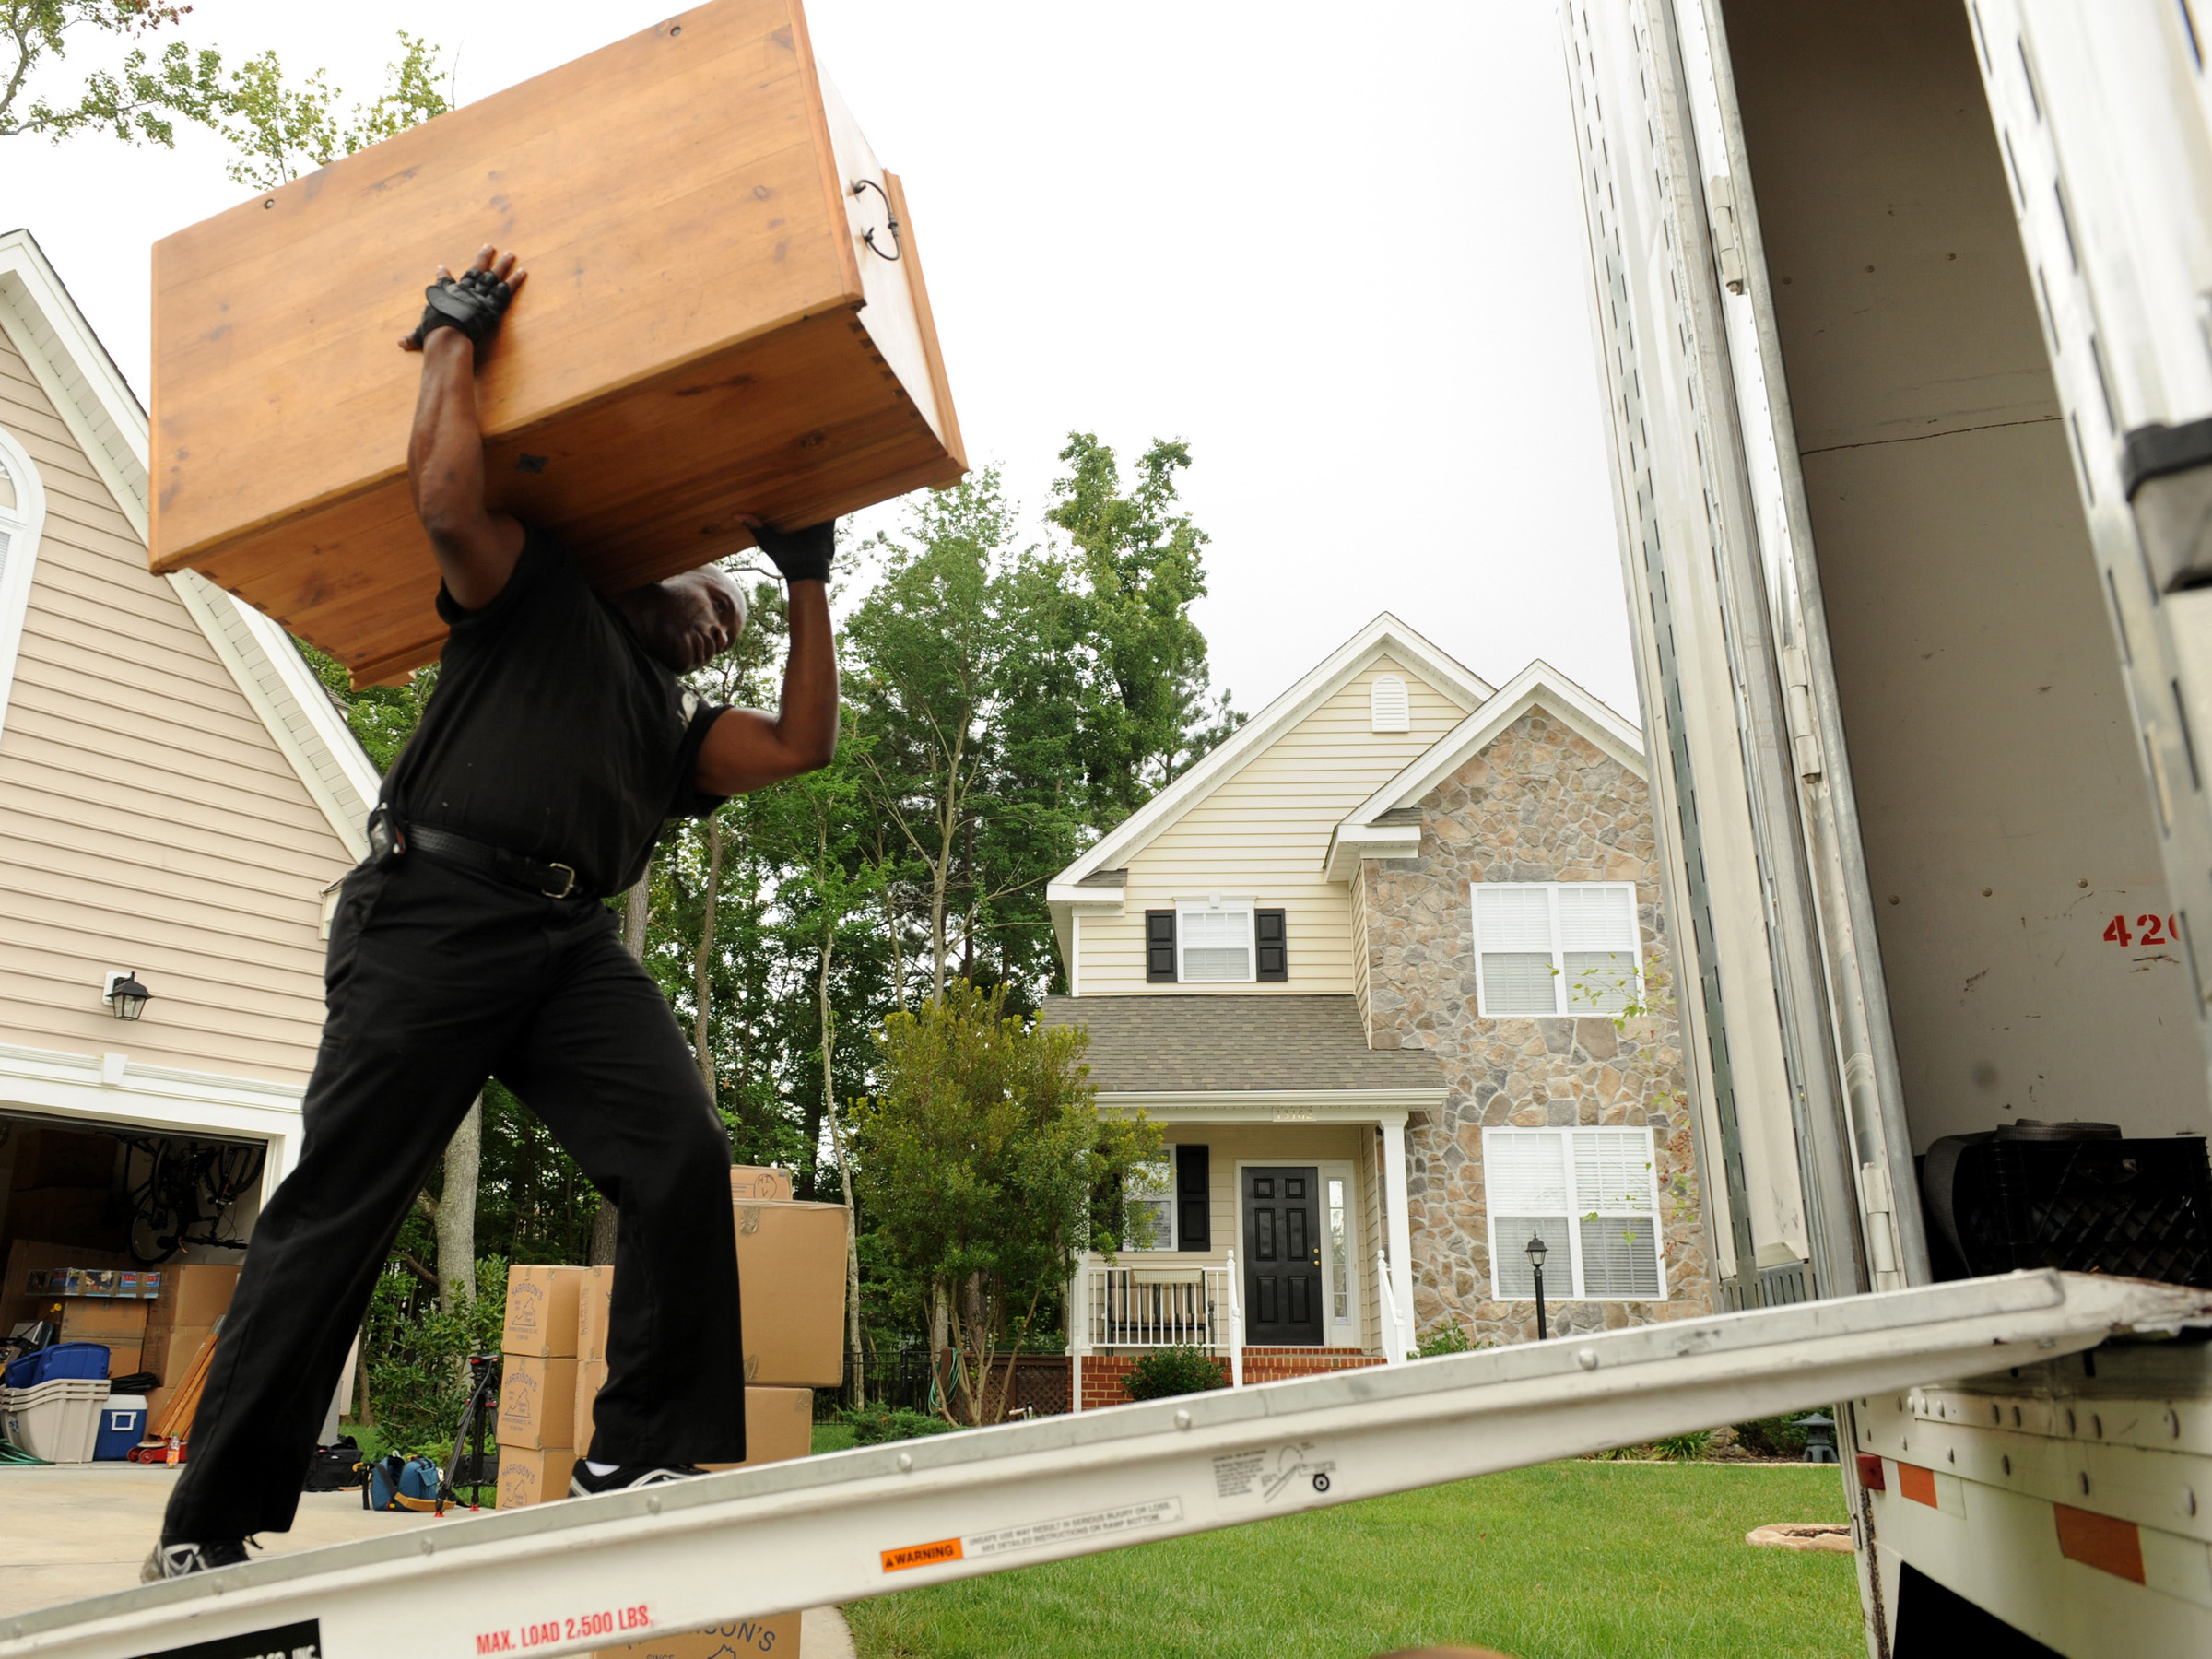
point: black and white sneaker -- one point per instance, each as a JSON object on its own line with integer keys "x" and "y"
{"x": 626, "y": 1477}
{"x": 181, "y": 1560}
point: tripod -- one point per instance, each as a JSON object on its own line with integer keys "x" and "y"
{"x": 483, "y": 1406}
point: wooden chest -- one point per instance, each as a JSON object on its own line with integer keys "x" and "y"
{"x": 722, "y": 318}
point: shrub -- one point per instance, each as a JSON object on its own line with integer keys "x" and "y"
{"x": 1772, "y": 1437}
{"x": 1683, "y": 1448}
{"x": 876, "y": 1424}
{"x": 416, "y": 1355}
{"x": 1448, "y": 1339}
{"x": 1172, "y": 1371}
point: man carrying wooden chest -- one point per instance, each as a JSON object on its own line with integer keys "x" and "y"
{"x": 473, "y": 942}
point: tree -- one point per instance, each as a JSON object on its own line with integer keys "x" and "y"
{"x": 280, "y": 132}
{"x": 1150, "y": 718}
{"x": 930, "y": 641}
{"x": 1020, "y": 698}
{"x": 988, "y": 1173}
{"x": 812, "y": 827}
{"x": 137, "y": 105}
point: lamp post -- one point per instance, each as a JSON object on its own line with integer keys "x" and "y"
{"x": 1537, "y": 1253}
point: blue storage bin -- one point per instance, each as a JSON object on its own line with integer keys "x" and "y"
{"x": 62, "y": 1359}
{"x": 121, "y": 1426}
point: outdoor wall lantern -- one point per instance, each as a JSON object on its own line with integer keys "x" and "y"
{"x": 1537, "y": 1253}
{"x": 122, "y": 995}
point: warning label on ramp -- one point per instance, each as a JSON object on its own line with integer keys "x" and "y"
{"x": 1286, "y": 1476}
{"x": 1098, "y": 1523}
{"x": 921, "y": 1555}
{"x": 1038, "y": 1535}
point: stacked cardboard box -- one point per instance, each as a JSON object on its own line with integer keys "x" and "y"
{"x": 537, "y": 1386}
{"x": 178, "y": 1322}
{"x": 791, "y": 1266}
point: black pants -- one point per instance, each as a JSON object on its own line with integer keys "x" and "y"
{"x": 438, "y": 978}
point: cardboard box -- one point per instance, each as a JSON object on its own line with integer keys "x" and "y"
{"x": 97, "y": 1319}
{"x": 199, "y": 1293}
{"x": 751, "y": 1184}
{"x": 591, "y": 1377}
{"x": 168, "y": 1350}
{"x": 779, "y": 1635}
{"x": 709, "y": 331}
{"x": 537, "y": 1403}
{"x": 533, "y": 1474}
{"x": 791, "y": 1285}
{"x": 593, "y": 1298}
{"x": 779, "y": 1425}
{"x": 541, "y": 1311}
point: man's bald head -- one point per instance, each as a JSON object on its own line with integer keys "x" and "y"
{"x": 688, "y": 620}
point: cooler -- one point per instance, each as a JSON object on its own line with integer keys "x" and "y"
{"x": 121, "y": 1426}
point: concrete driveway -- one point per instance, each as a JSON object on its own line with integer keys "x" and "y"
{"x": 82, "y": 1529}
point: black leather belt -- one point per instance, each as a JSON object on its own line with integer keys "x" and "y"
{"x": 554, "y": 880}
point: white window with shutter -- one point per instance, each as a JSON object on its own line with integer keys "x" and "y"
{"x": 1592, "y": 1195}
{"x": 1213, "y": 941}
{"x": 1150, "y": 1192}
{"x": 1556, "y": 947}
{"x": 1388, "y": 708}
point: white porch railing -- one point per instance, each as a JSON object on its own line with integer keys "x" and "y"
{"x": 1126, "y": 1307}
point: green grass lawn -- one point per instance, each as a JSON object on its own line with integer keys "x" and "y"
{"x": 1570, "y": 1560}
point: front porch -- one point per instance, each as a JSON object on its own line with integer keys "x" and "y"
{"x": 1277, "y": 1238}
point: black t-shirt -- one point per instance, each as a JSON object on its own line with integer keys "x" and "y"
{"x": 552, "y": 732}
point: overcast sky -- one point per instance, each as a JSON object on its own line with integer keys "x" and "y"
{"x": 1335, "y": 249}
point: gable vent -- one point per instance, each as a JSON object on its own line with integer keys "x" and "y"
{"x": 1387, "y": 708}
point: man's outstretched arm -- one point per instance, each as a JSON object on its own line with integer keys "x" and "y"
{"x": 475, "y": 547}
{"x": 747, "y": 749}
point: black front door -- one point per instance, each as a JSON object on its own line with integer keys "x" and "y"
{"x": 1282, "y": 1257}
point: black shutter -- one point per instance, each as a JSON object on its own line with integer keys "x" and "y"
{"x": 1268, "y": 928}
{"x": 1194, "y": 1202}
{"x": 1159, "y": 946}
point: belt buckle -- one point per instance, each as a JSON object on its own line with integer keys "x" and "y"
{"x": 567, "y": 887}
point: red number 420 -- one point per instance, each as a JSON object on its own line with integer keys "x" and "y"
{"x": 2116, "y": 932}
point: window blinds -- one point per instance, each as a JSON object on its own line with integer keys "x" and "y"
{"x": 1216, "y": 944}
{"x": 1555, "y": 947}
{"x": 1513, "y": 926}
{"x": 1593, "y": 1196}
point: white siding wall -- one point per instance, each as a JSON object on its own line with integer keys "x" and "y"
{"x": 1264, "y": 833}
{"x": 147, "y": 820}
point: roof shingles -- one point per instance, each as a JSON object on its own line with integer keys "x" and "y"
{"x": 1224, "y": 1042}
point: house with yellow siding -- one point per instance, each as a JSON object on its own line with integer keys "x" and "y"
{"x": 1388, "y": 968}
{"x": 178, "y": 796}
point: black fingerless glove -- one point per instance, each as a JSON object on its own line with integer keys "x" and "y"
{"x": 801, "y": 555}
{"x": 472, "y": 303}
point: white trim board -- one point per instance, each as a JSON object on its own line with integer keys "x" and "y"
{"x": 1383, "y": 636}
{"x": 1364, "y": 1106}
{"x": 160, "y": 1099}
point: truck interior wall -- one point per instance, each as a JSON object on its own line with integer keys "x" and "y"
{"x": 2004, "y": 809}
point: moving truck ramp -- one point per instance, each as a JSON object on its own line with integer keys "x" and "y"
{"x": 569, "y": 1577}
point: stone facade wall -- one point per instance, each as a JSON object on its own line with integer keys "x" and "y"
{"x": 1540, "y": 804}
